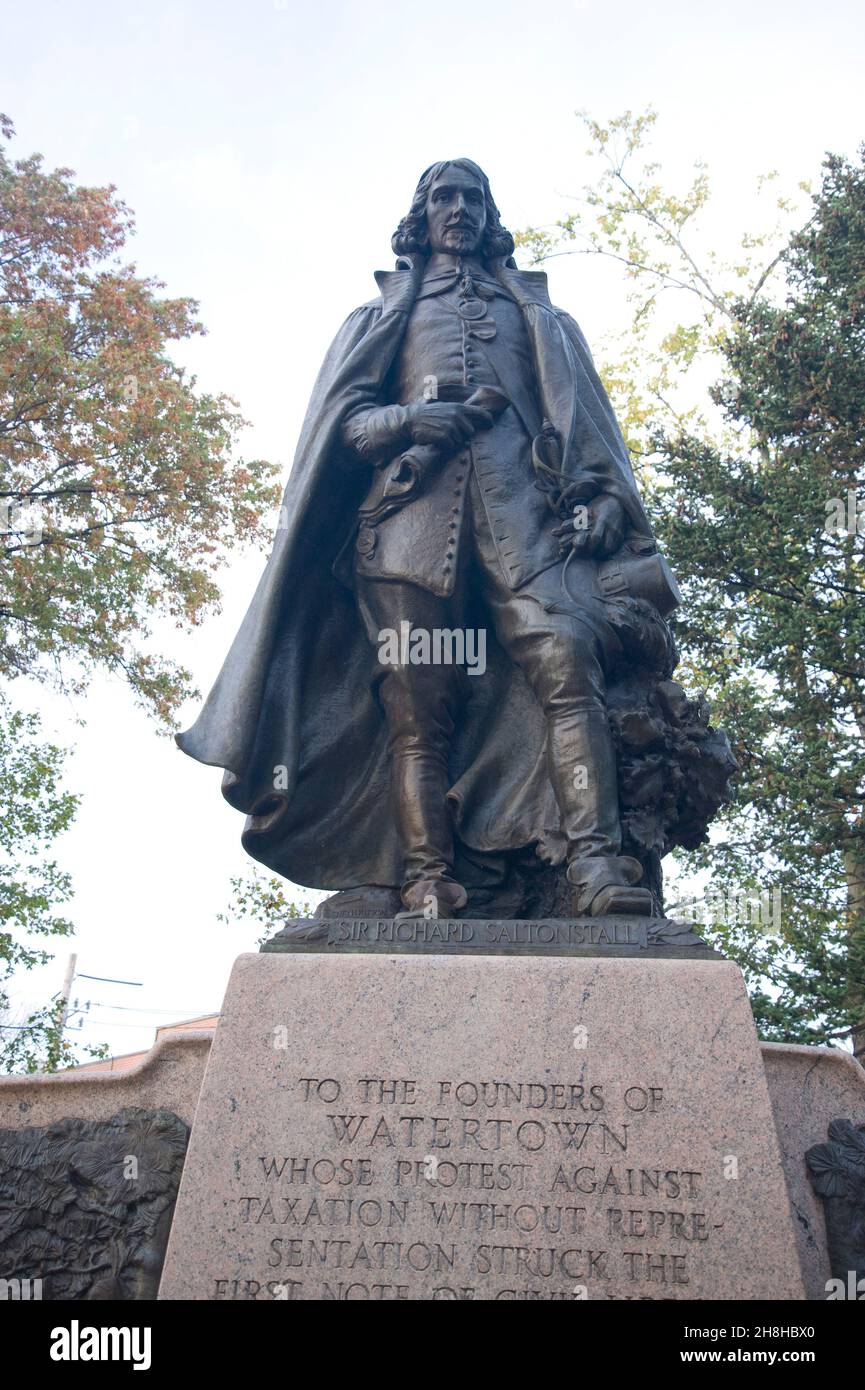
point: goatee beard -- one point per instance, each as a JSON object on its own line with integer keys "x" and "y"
{"x": 461, "y": 237}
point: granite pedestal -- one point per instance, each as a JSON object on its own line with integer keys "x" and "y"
{"x": 378, "y": 1126}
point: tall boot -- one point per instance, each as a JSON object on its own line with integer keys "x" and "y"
{"x": 420, "y": 785}
{"x": 582, "y": 766}
{"x": 419, "y": 744}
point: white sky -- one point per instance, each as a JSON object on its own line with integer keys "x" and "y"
{"x": 268, "y": 149}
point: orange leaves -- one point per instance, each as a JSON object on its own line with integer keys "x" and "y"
{"x": 130, "y": 469}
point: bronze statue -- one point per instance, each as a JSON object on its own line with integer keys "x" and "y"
{"x": 461, "y": 489}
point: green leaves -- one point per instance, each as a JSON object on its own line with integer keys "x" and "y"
{"x": 742, "y": 479}
{"x": 35, "y": 812}
{"x": 794, "y": 594}
{"x": 259, "y": 897}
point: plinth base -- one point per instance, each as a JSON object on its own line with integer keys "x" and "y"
{"x": 641, "y": 937}
{"x": 376, "y": 1127}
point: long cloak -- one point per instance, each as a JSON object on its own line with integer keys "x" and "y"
{"x": 293, "y": 716}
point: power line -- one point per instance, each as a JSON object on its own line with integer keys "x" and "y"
{"x": 106, "y": 979}
{"x": 143, "y": 1009}
{"x": 109, "y": 1023}
{"x": 119, "y": 1023}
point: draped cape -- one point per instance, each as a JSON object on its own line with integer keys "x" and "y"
{"x": 293, "y": 717}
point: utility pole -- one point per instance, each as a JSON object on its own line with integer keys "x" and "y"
{"x": 63, "y": 1003}
{"x": 55, "y": 1050}
{"x": 66, "y": 992}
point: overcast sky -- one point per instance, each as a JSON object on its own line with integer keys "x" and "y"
{"x": 268, "y": 149}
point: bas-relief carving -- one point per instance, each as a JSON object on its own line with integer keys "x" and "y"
{"x": 85, "y": 1205}
{"x": 837, "y": 1172}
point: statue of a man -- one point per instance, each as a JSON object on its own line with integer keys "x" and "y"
{"x": 460, "y": 470}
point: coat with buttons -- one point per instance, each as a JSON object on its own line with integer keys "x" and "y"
{"x": 535, "y": 354}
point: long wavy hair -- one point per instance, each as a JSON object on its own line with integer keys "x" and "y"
{"x": 411, "y": 234}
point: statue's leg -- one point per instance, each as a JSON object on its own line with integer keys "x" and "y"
{"x": 419, "y": 703}
{"x": 561, "y": 658}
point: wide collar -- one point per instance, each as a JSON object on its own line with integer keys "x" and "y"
{"x": 399, "y": 288}
{"x": 526, "y": 286}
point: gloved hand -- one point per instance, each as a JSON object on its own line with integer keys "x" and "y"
{"x": 604, "y": 534}
{"x": 378, "y": 434}
{"x": 447, "y": 425}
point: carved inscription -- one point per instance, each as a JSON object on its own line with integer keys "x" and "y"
{"x": 468, "y": 1189}
{"x": 501, "y": 934}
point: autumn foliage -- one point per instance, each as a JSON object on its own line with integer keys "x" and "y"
{"x": 120, "y": 496}
{"x": 121, "y": 493}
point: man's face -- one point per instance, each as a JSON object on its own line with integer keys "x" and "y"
{"x": 456, "y": 212}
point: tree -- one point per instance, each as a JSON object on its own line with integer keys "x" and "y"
{"x": 40, "y": 1043}
{"x": 120, "y": 497}
{"x": 261, "y": 898}
{"x": 743, "y": 481}
{"x": 120, "y": 491}
{"x": 32, "y": 886}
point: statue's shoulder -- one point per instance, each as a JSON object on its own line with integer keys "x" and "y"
{"x": 360, "y": 320}
{"x": 571, "y": 325}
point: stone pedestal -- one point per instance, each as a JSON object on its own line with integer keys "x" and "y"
{"x": 377, "y": 1126}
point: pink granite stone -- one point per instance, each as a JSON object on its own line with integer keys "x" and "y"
{"x": 809, "y": 1087}
{"x": 422, "y": 1127}
{"x": 168, "y": 1077}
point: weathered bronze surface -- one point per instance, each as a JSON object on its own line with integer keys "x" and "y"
{"x": 86, "y": 1205}
{"x": 837, "y": 1173}
{"x": 453, "y": 689}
